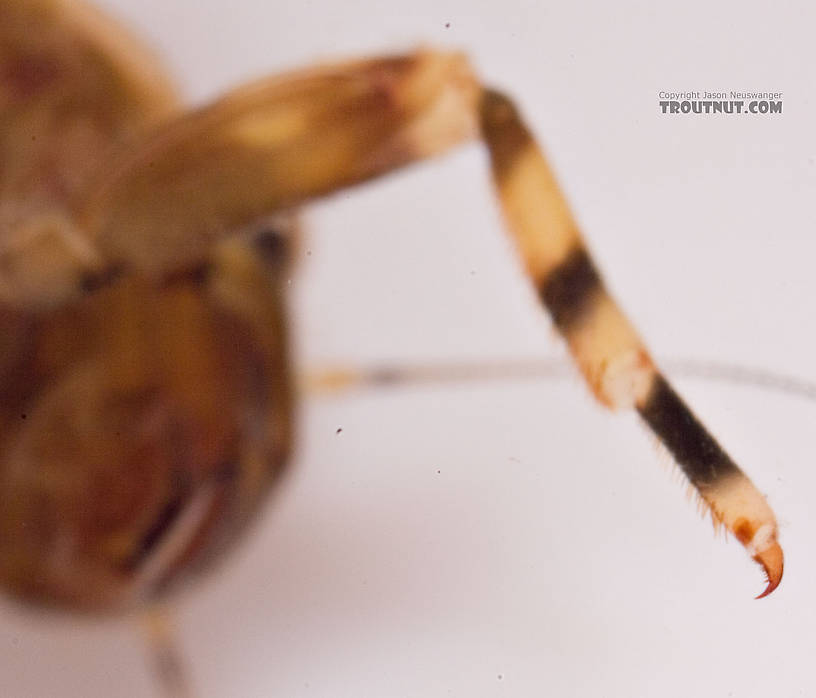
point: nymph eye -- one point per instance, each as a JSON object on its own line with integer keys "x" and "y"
{"x": 273, "y": 246}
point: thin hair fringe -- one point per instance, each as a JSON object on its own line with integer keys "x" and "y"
{"x": 677, "y": 476}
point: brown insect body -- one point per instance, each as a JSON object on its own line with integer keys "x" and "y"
{"x": 141, "y": 427}
{"x": 142, "y": 422}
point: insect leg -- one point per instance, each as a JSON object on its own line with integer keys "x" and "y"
{"x": 330, "y": 380}
{"x": 165, "y": 654}
{"x": 607, "y": 349}
{"x": 272, "y": 145}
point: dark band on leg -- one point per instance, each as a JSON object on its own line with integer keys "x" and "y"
{"x": 503, "y": 131}
{"x": 570, "y": 289}
{"x": 695, "y": 450}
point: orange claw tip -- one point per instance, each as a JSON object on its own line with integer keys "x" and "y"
{"x": 773, "y": 561}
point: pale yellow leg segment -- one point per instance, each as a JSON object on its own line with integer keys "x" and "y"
{"x": 272, "y": 145}
{"x": 606, "y": 347}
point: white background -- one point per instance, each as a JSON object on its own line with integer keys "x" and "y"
{"x": 511, "y": 538}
